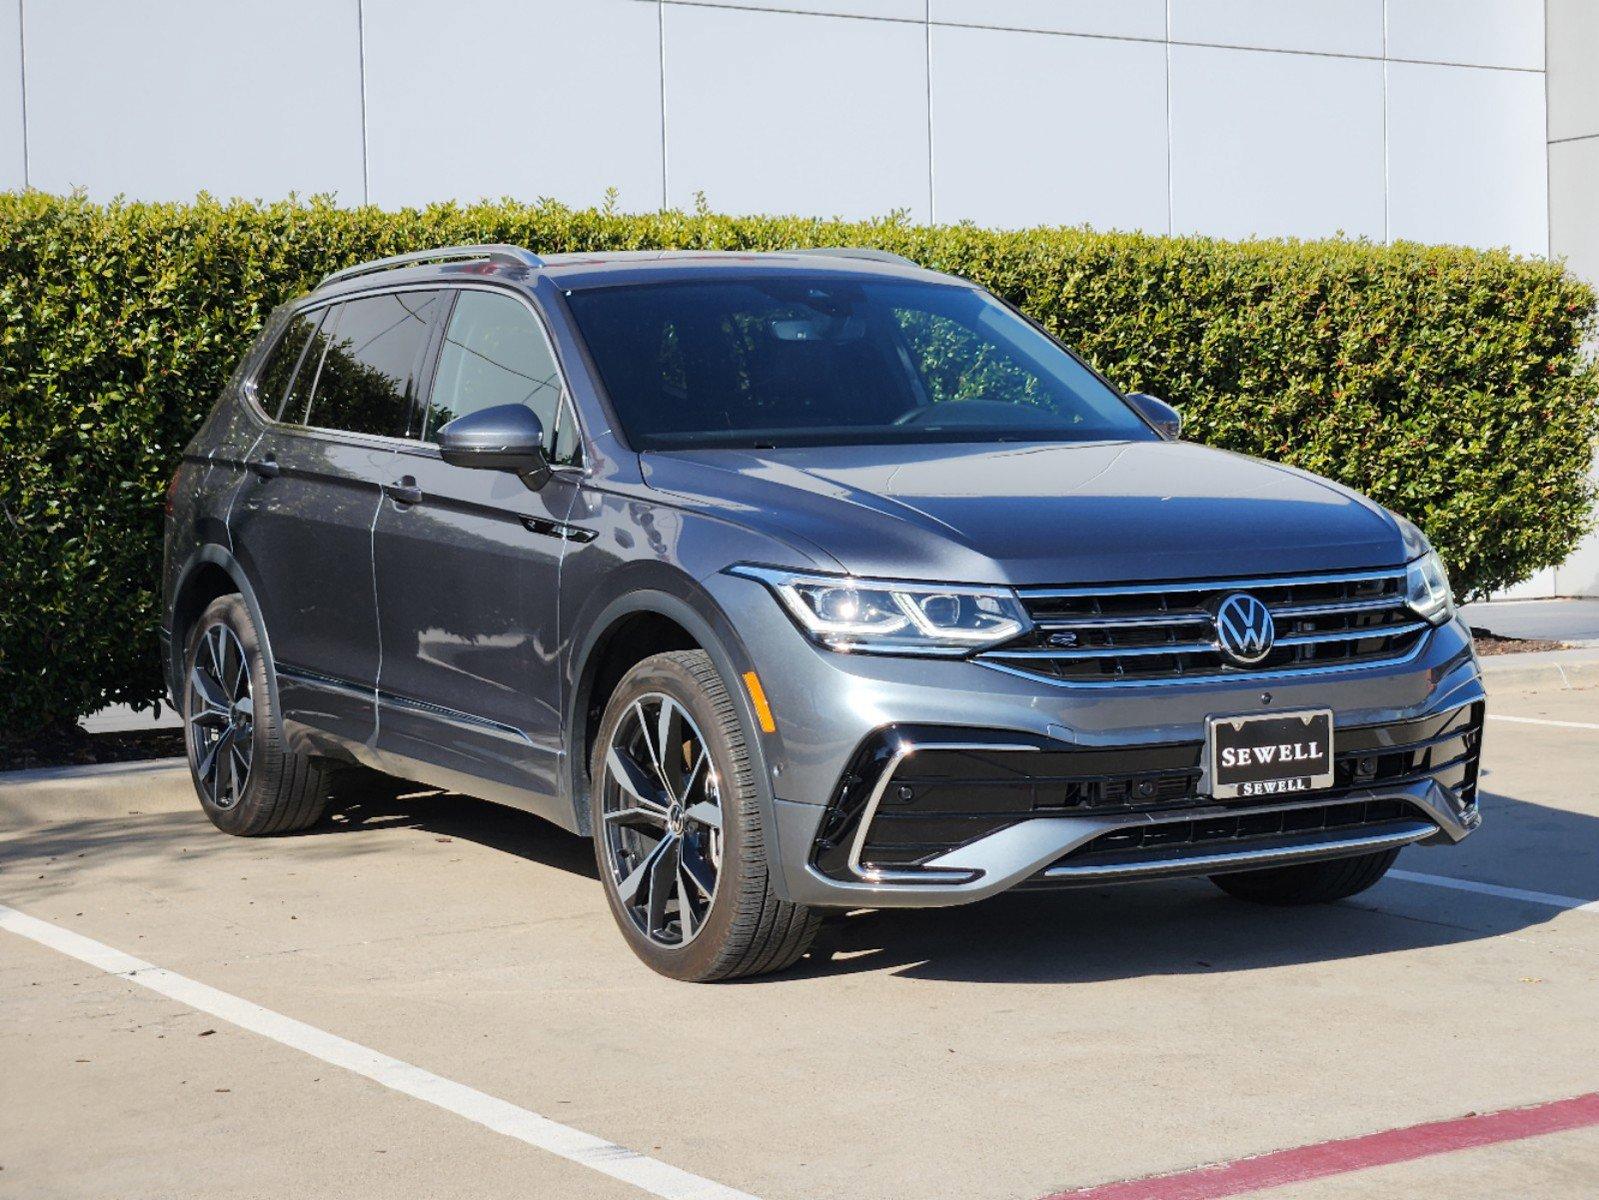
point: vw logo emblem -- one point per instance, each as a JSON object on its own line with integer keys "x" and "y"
{"x": 1244, "y": 629}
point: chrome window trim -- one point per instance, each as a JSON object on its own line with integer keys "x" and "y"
{"x": 248, "y": 388}
{"x": 316, "y": 305}
{"x": 565, "y": 397}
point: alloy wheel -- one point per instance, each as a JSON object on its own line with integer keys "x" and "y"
{"x": 662, "y": 814}
{"x": 221, "y": 711}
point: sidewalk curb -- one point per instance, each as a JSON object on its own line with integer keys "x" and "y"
{"x": 1546, "y": 668}
{"x": 134, "y": 767}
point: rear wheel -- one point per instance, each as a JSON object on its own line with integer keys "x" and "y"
{"x": 1308, "y": 883}
{"x": 677, "y": 828}
{"x": 249, "y": 783}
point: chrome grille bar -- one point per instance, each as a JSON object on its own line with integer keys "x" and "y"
{"x": 1139, "y": 622}
{"x": 1353, "y": 635}
{"x": 1210, "y": 585}
{"x": 1332, "y": 607}
{"x": 1110, "y": 651}
{"x": 1162, "y": 632}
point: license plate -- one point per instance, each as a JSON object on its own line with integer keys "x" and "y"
{"x": 1272, "y": 755}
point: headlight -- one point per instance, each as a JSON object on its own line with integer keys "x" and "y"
{"x": 1427, "y": 589}
{"x": 876, "y": 616}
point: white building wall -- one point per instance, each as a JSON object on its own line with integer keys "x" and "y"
{"x": 1378, "y": 118}
{"x": 1573, "y": 39}
{"x": 1436, "y": 120}
{"x": 163, "y": 100}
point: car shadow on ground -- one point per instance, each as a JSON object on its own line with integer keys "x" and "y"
{"x": 1190, "y": 927}
{"x": 1067, "y": 936}
{"x": 366, "y": 800}
{"x": 1086, "y": 934}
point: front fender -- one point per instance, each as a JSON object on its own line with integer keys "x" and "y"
{"x": 652, "y": 587}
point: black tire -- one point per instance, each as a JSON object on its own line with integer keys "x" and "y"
{"x": 746, "y": 929}
{"x": 282, "y": 791}
{"x": 1308, "y": 883}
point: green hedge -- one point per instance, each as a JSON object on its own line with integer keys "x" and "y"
{"x": 1446, "y": 383}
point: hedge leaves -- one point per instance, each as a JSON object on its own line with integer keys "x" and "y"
{"x": 1448, "y": 384}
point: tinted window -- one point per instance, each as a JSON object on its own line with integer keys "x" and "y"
{"x": 273, "y": 381}
{"x": 567, "y": 451}
{"x": 815, "y": 360}
{"x": 299, "y": 397}
{"x": 494, "y": 353}
{"x": 371, "y": 349}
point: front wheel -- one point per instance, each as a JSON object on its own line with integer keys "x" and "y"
{"x": 677, "y": 828}
{"x": 1308, "y": 883}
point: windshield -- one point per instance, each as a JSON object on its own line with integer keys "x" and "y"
{"x": 808, "y": 360}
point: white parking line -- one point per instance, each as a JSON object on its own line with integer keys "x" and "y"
{"x": 1570, "y": 903}
{"x": 647, "y": 1174}
{"x": 1542, "y": 721}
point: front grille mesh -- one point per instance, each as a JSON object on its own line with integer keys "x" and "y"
{"x": 943, "y": 798}
{"x": 1155, "y": 632}
{"x": 1227, "y": 829}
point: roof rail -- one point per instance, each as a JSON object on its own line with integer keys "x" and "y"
{"x": 511, "y": 255}
{"x": 887, "y": 256}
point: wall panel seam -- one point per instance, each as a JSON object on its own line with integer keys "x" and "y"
{"x": 927, "y": 66}
{"x": 22, "y": 86}
{"x": 1105, "y": 37}
{"x": 1387, "y": 223}
{"x": 1548, "y": 181}
{"x": 660, "y": 45}
{"x": 1171, "y": 186}
{"x": 360, "y": 42}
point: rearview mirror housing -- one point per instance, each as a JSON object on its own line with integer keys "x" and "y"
{"x": 507, "y": 437}
{"x": 1164, "y": 417}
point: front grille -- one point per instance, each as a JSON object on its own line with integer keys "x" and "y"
{"x": 1231, "y": 831}
{"x": 940, "y": 798}
{"x": 1151, "y": 633}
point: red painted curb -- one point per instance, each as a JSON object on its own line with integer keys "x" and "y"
{"x": 1351, "y": 1154}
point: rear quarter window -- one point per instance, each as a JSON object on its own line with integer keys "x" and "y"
{"x": 273, "y": 379}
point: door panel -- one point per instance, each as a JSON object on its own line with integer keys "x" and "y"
{"x": 303, "y": 519}
{"x": 468, "y": 569}
{"x": 304, "y": 533}
{"x": 467, "y": 598}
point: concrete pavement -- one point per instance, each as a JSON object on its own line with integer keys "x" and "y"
{"x": 1573, "y": 621}
{"x": 1009, "y": 1049}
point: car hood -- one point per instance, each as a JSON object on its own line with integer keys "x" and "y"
{"x": 1039, "y": 513}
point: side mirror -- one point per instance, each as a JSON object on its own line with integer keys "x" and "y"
{"x": 1164, "y": 417}
{"x": 507, "y": 437}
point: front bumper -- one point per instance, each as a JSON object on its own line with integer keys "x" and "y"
{"x": 831, "y": 707}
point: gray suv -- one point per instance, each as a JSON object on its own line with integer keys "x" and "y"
{"x": 798, "y": 581}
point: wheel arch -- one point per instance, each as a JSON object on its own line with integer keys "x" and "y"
{"x": 211, "y": 572}
{"x": 676, "y": 613}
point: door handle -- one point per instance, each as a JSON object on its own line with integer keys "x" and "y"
{"x": 266, "y": 468}
{"x": 403, "y": 492}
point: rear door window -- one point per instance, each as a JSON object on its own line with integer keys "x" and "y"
{"x": 371, "y": 352}
{"x": 272, "y": 383}
{"x": 494, "y": 353}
